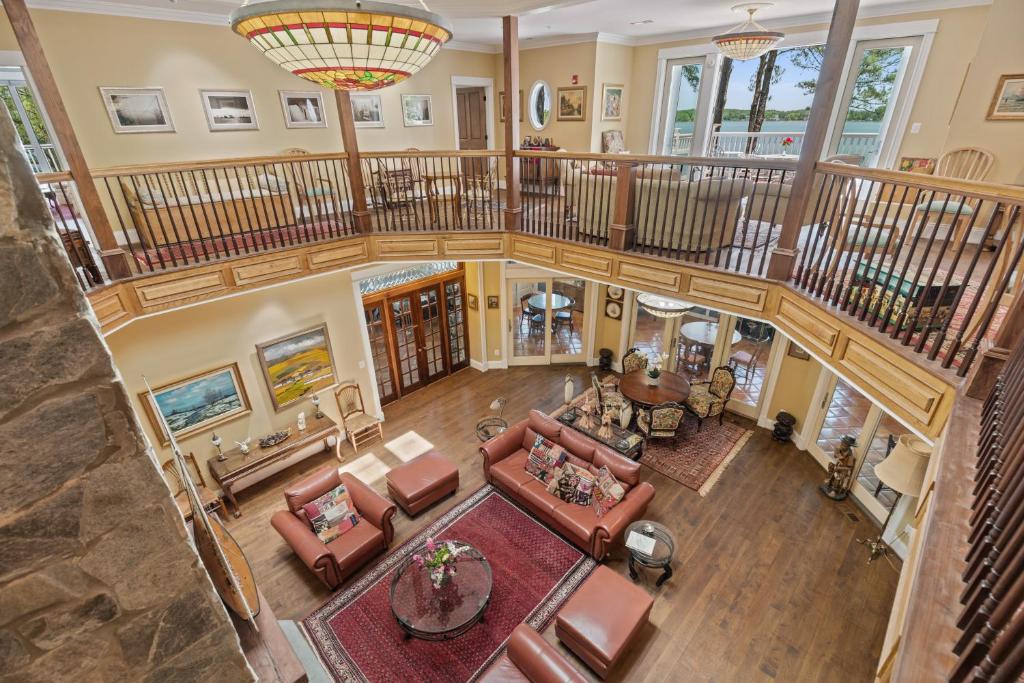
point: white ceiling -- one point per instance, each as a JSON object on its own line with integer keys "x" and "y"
{"x": 477, "y": 23}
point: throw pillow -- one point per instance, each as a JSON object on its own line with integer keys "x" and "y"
{"x": 607, "y": 492}
{"x": 332, "y": 514}
{"x": 544, "y": 458}
{"x": 572, "y": 484}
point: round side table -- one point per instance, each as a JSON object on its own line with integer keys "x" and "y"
{"x": 659, "y": 557}
{"x": 490, "y": 427}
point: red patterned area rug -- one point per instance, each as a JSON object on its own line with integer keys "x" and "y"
{"x": 701, "y": 456}
{"x": 534, "y": 571}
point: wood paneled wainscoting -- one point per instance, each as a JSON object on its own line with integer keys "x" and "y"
{"x": 418, "y": 333}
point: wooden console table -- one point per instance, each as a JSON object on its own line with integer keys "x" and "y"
{"x": 238, "y": 471}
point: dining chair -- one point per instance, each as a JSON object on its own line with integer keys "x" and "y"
{"x": 634, "y": 360}
{"x": 661, "y": 422}
{"x": 563, "y": 317}
{"x": 747, "y": 360}
{"x": 607, "y": 395}
{"x": 525, "y": 310}
{"x": 360, "y": 427}
{"x": 963, "y": 163}
{"x": 209, "y": 500}
{"x": 708, "y": 399}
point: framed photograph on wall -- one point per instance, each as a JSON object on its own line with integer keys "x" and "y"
{"x": 303, "y": 109}
{"x": 229, "y": 109}
{"x": 572, "y": 103}
{"x": 501, "y": 105}
{"x": 472, "y": 301}
{"x": 611, "y": 101}
{"x": 796, "y": 352}
{"x": 197, "y": 403}
{"x": 367, "y": 111}
{"x": 297, "y": 365}
{"x": 1008, "y": 100}
{"x": 137, "y": 110}
{"x": 492, "y": 302}
{"x": 417, "y": 110}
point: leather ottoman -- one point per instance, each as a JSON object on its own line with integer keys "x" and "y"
{"x": 422, "y": 481}
{"x": 601, "y": 620}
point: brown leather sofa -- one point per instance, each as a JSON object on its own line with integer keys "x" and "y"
{"x": 530, "y": 659}
{"x": 335, "y": 561}
{"x": 505, "y": 467}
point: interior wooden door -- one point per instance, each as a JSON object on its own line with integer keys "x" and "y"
{"x": 403, "y": 312}
{"x": 472, "y": 113}
{"x": 430, "y": 334}
{"x": 458, "y": 332}
{"x": 380, "y": 351}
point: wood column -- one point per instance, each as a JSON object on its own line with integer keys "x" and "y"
{"x": 840, "y": 31}
{"x": 622, "y": 231}
{"x": 360, "y": 212}
{"x": 510, "y": 56}
{"x": 115, "y": 260}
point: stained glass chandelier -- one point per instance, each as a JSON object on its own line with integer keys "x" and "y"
{"x": 749, "y": 40}
{"x": 343, "y": 44}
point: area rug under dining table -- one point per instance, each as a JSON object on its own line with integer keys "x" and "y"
{"x": 534, "y": 571}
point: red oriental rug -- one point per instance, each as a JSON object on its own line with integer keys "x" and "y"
{"x": 534, "y": 571}
{"x": 701, "y": 456}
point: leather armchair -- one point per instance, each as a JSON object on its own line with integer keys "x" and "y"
{"x": 530, "y": 658}
{"x": 333, "y": 562}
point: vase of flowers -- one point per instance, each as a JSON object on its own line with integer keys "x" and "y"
{"x": 439, "y": 559}
{"x": 787, "y": 142}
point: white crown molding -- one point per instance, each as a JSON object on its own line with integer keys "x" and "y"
{"x": 467, "y": 46}
{"x": 119, "y": 9}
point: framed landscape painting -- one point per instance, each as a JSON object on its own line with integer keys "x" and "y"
{"x": 229, "y": 109}
{"x": 1008, "y": 101}
{"x": 197, "y": 403}
{"x": 137, "y": 110}
{"x": 297, "y": 365}
{"x": 572, "y": 103}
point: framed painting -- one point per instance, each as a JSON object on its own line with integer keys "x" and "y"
{"x": 367, "y": 111}
{"x": 229, "y": 110}
{"x": 417, "y": 110}
{"x": 303, "y": 109}
{"x": 196, "y": 403}
{"x": 611, "y": 101}
{"x": 297, "y": 365}
{"x": 137, "y": 110}
{"x": 1008, "y": 100}
{"x": 572, "y": 103}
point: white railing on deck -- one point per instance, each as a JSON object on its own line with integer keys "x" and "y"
{"x": 743, "y": 143}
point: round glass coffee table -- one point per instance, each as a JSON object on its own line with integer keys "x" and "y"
{"x": 490, "y": 427}
{"x": 449, "y": 611}
{"x": 657, "y": 557}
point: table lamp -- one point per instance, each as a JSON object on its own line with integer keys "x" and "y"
{"x": 903, "y": 471}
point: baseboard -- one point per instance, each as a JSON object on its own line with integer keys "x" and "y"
{"x": 478, "y": 365}
{"x": 497, "y": 365}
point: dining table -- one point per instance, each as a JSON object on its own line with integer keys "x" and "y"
{"x": 705, "y": 333}
{"x": 539, "y": 301}
{"x": 671, "y": 387}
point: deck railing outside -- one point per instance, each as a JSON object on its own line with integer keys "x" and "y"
{"x": 746, "y": 144}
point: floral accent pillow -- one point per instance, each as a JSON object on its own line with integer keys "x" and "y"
{"x": 608, "y": 492}
{"x": 332, "y": 514}
{"x": 572, "y": 484}
{"x": 545, "y": 457}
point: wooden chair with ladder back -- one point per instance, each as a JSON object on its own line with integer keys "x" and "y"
{"x": 210, "y": 500}
{"x": 360, "y": 427}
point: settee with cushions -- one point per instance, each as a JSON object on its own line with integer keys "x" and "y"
{"x": 505, "y": 459}
{"x": 530, "y": 659}
{"x": 338, "y": 559}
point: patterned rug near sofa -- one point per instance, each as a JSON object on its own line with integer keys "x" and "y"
{"x": 701, "y": 456}
{"x": 534, "y": 571}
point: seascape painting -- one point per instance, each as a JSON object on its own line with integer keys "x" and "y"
{"x": 198, "y": 402}
{"x": 297, "y": 365}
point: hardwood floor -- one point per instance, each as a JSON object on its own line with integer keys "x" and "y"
{"x": 769, "y": 582}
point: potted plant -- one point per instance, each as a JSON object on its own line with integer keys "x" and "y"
{"x": 654, "y": 375}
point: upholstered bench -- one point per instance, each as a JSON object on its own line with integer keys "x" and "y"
{"x": 422, "y": 481}
{"x": 603, "y": 617}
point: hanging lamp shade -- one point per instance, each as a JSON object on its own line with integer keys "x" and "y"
{"x": 749, "y": 40}
{"x": 663, "y": 306}
{"x": 342, "y": 44}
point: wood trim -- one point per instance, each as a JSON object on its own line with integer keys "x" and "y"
{"x": 405, "y": 246}
{"x": 510, "y": 110}
{"x": 350, "y": 141}
{"x": 993, "y": 192}
{"x": 59, "y": 177}
{"x": 776, "y": 164}
{"x": 207, "y": 164}
{"x": 474, "y": 245}
{"x": 742, "y": 295}
{"x": 807, "y": 325}
{"x": 448, "y": 153}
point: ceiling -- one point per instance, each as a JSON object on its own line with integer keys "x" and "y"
{"x": 475, "y": 23}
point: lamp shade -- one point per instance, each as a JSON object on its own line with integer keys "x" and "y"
{"x": 904, "y": 468}
{"x": 749, "y": 40}
{"x": 342, "y": 44}
{"x": 663, "y": 306}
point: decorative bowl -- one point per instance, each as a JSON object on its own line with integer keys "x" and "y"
{"x": 273, "y": 439}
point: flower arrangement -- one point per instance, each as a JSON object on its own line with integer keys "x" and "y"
{"x": 439, "y": 559}
{"x": 787, "y": 142}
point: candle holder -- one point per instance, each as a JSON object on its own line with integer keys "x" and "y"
{"x": 216, "y": 441}
{"x": 315, "y": 400}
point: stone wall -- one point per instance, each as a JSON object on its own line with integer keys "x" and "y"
{"x": 97, "y": 579}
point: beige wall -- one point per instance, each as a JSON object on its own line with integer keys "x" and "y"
{"x": 87, "y": 51}
{"x": 493, "y": 286}
{"x": 184, "y": 342}
{"x": 476, "y": 340}
{"x": 1000, "y": 51}
{"x": 794, "y": 388}
{"x": 612, "y": 64}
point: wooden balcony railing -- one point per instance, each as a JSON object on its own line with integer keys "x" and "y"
{"x": 62, "y": 199}
{"x": 892, "y": 249}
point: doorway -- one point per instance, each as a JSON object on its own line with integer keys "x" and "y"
{"x": 470, "y": 107}
{"x": 417, "y": 333}
{"x": 37, "y": 142}
{"x": 547, "y": 320}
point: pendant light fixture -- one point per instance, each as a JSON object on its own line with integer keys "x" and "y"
{"x": 343, "y": 44}
{"x": 663, "y": 306}
{"x": 749, "y": 40}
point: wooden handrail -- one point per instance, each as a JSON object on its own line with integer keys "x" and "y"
{"x": 206, "y": 164}
{"x": 995, "y": 192}
{"x": 413, "y": 154}
{"x": 58, "y": 177}
{"x": 724, "y": 162}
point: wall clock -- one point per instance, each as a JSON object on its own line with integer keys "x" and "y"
{"x": 613, "y": 309}
{"x": 615, "y": 293}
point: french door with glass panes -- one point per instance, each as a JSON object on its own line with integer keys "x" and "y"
{"x": 547, "y": 320}
{"x": 684, "y": 116}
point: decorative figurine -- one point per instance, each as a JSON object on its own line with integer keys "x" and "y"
{"x": 243, "y": 446}
{"x": 840, "y": 472}
{"x": 587, "y": 410}
{"x": 216, "y": 441}
{"x": 319, "y": 414}
{"x": 302, "y": 421}
{"x": 605, "y": 432}
{"x": 570, "y": 389}
{"x": 625, "y": 414}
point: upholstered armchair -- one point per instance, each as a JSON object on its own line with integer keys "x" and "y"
{"x": 708, "y": 399}
{"x": 661, "y": 422}
{"x": 333, "y": 562}
{"x": 634, "y": 360}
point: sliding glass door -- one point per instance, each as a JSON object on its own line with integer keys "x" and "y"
{"x": 546, "y": 320}
{"x": 684, "y": 117}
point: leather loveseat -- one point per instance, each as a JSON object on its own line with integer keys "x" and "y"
{"x": 335, "y": 561}
{"x": 530, "y": 659}
{"x": 505, "y": 467}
